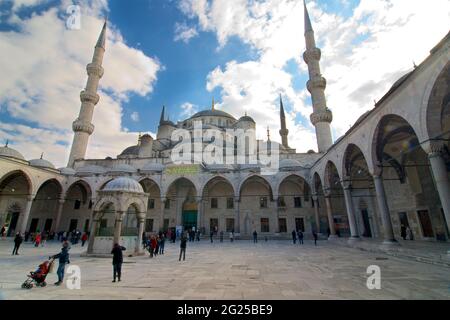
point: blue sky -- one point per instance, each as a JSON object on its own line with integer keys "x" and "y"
{"x": 242, "y": 53}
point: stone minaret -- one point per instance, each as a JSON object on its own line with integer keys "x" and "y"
{"x": 82, "y": 126}
{"x": 283, "y": 131}
{"x": 321, "y": 116}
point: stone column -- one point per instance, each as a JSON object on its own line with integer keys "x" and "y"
{"x": 26, "y": 214}
{"x": 162, "y": 211}
{"x": 118, "y": 226}
{"x": 333, "y": 235}
{"x": 199, "y": 213}
{"x": 274, "y": 206}
{"x": 389, "y": 238}
{"x": 440, "y": 176}
{"x": 315, "y": 200}
{"x": 139, "y": 248}
{"x": 346, "y": 185}
{"x": 93, "y": 231}
{"x": 237, "y": 216}
{"x": 59, "y": 214}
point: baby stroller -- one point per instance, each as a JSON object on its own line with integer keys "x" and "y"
{"x": 38, "y": 277}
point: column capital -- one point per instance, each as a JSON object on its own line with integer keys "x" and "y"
{"x": 327, "y": 193}
{"x": 346, "y": 183}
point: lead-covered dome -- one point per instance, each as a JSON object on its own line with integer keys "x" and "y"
{"x": 246, "y": 118}
{"x": 124, "y": 184}
{"x": 10, "y": 153}
{"x": 42, "y": 163}
{"x": 212, "y": 113}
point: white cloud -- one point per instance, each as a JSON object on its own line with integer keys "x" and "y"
{"x": 48, "y": 72}
{"x": 135, "y": 116}
{"x": 184, "y": 33}
{"x": 188, "y": 110}
{"x": 362, "y": 55}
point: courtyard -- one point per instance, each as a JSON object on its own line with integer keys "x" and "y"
{"x": 239, "y": 270}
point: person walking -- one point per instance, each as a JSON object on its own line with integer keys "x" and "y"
{"x": 294, "y": 236}
{"x": 161, "y": 244}
{"x": 17, "y": 242}
{"x": 315, "y": 237}
{"x": 403, "y": 231}
{"x": 152, "y": 246}
{"x": 158, "y": 240}
{"x": 211, "y": 235}
{"x": 183, "y": 247}
{"x": 197, "y": 234}
{"x": 221, "y": 236}
{"x": 2, "y": 232}
{"x": 63, "y": 257}
{"x": 84, "y": 238}
{"x": 410, "y": 234}
{"x": 255, "y": 237}
{"x": 300, "y": 236}
{"x": 37, "y": 239}
{"x": 44, "y": 236}
{"x": 231, "y": 236}
{"x": 117, "y": 261}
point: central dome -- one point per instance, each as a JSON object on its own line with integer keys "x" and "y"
{"x": 212, "y": 113}
{"x": 124, "y": 184}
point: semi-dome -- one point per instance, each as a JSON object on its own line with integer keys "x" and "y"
{"x": 42, "y": 163}
{"x": 124, "y": 184}
{"x": 122, "y": 168}
{"x": 289, "y": 163}
{"x": 10, "y": 153}
{"x": 212, "y": 113}
{"x": 67, "y": 171}
{"x": 90, "y": 170}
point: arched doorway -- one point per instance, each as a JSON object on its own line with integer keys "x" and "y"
{"x": 182, "y": 202}
{"x": 15, "y": 188}
{"x": 155, "y": 218}
{"x": 77, "y": 208}
{"x": 295, "y": 206}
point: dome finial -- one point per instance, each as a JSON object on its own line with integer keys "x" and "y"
{"x": 42, "y": 155}
{"x": 6, "y": 144}
{"x": 212, "y": 106}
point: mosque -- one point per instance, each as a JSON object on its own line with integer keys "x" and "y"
{"x": 390, "y": 169}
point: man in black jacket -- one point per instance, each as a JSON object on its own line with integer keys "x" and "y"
{"x": 183, "y": 247}
{"x": 63, "y": 257}
{"x": 117, "y": 261}
{"x": 17, "y": 242}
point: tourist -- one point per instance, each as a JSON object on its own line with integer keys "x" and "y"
{"x": 37, "y": 239}
{"x": 231, "y": 236}
{"x": 255, "y": 237}
{"x": 410, "y": 233}
{"x": 161, "y": 244}
{"x": 27, "y": 236}
{"x": 403, "y": 231}
{"x": 17, "y": 242}
{"x": 294, "y": 236}
{"x": 197, "y": 234}
{"x": 63, "y": 257}
{"x": 157, "y": 245}
{"x": 211, "y": 234}
{"x": 328, "y": 232}
{"x": 44, "y": 238}
{"x": 3, "y": 231}
{"x": 221, "y": 236}
{"x": 300, "y": 236}
{"x": 84, "y": 238}
{"x": 152, "y": 246}
{"x": 315, "y": 237}
{"x": 183, "y": 247}
{"x": 117, "y": 261}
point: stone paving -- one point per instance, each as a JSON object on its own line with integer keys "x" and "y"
{"x": 239, "y": 270}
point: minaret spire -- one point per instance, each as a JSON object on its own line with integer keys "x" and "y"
{"x": 82, "y": 126}
{"x": 161, "y": 120}
{"x": 283, "y": 131}
{"x": 321, "y": 116}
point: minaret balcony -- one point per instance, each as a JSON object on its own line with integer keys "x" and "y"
{"x": 82, "y": 126}
{"x": 90, "y": 97}
{"x": 94, "y": 69}
{"x": 316, "y": 82}
{"x": 321, "y": 116}
{"x": 311, "y": 55}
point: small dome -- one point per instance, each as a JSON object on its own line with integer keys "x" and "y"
{"x": 289, "y": 163}
{"x": 67, "y": 171}
{"x": 311, "y": 151}
{"x": 122, "y": 168}
{"x": 124, "y": 184}
{"x": 246, "y": 118}
{"x": 90, "y": 170}
{"x": 42, "y": 163}
{"x": 152, "y": 167}
{"x": 133, "y": 150}
{"x": 10, "y": 153}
